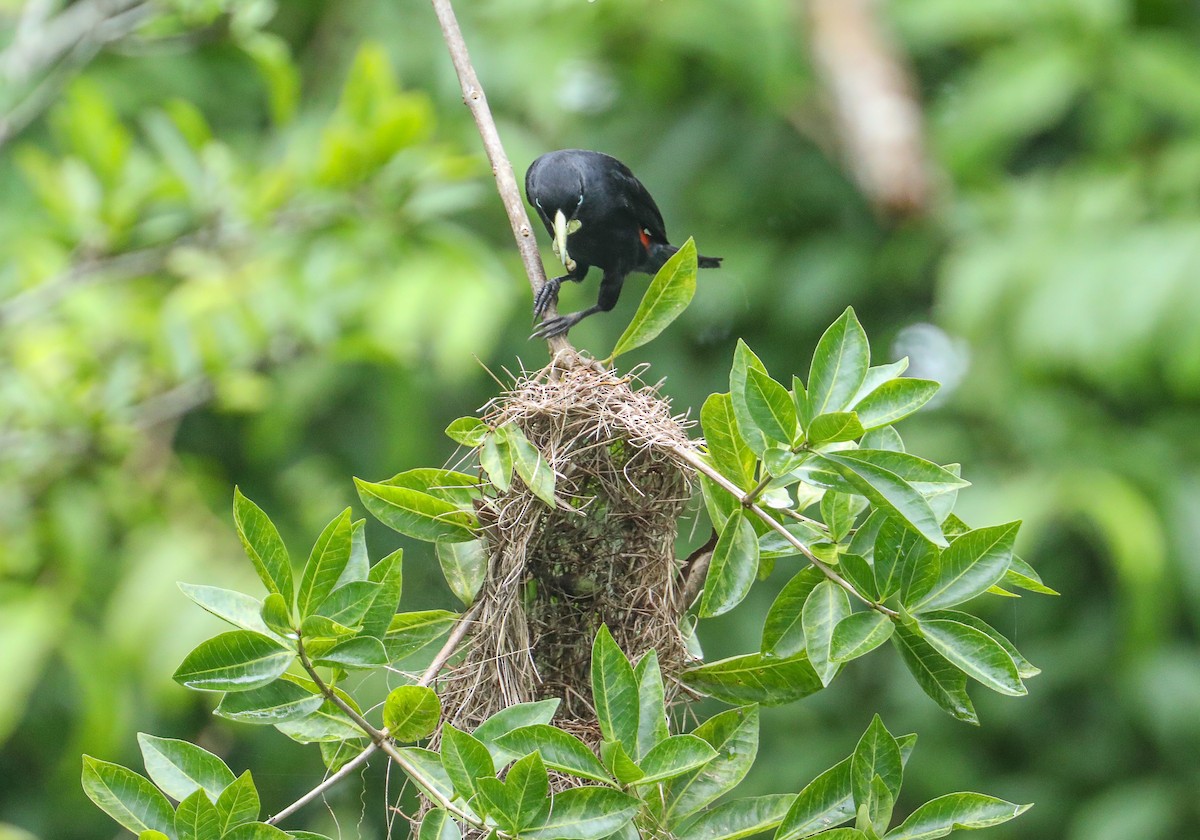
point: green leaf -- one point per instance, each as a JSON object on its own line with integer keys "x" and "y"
{"x": 775, "y": 545}
{"x": 237, "y": 804}
{"x": 826, "y": 605}
{"x": 875, "y": 812}
{"x": 525, "y": 793}
{"x": 858, "y": 571}
{"x": 824, "y": 802}
{"x": 668, "y": 295}
{"x": 744, "y": 360}
{"x": 459, "y": 489}
{"x": 734, "y": 736}
{"x": 876, "y": 755}
{"x": 770, "y": 407}
{"x": 429, "y": 765}
{"x": 337, "y": 754}
{"x": 884, "y": 437}
{"x": 783, "y": 630}
{"x": 411, "y": 632}
{"x": 732, "y": 569}
{"x": 439, "y": 824}
{"x": 359, "y": 564}
{"x": 585, "y": 813}
{"x": 614, "y": 691}
{"x": 278, "y": 702}
{"x": 260, "y": 831}
{"x": 277, "y": 615}
{"x": 675, "y": 756}
{"x": 876, "y": 376}
{"x": 724, "y": 443}
{"x": 652, "y": 709}
{"x": 899, "y": 554}
{"x": 416, "y": 514}
{"x": 1022, "y": 575}
{"x": 127, "y": 797}
{"x": 739, "y": 818}
{"x": 924, "y": 476}
{"x": 834, "y": 427}
{"x": 411, "y": 712}
{"x": 148, "y": 834}
{"x": 464, "y": 565}
{"x": 325, "y": 564}
{"x": 619, "y": 763}
{"x": 938, "y": 678}
{"x": 887, "y": 490}
{"x": 263, "y": 546}
{"x": 838, "y": 510}
{"x": 432, "y": 772}
{"x": 940, "y": 816}
{"x": 465, "y": 760}
{"x": 389, "y": 574}
{"x": 972, "y": 563}
{"x": 755, "y": 678}
{"x": 196, "y": 818}
{"x": 839, "y": 365}
{"x": 975, "y": 653}
{"x": 361, "y": 652}
{"x": 327, "y": 723}
{"x": 321, "y": 633}
{"x": 1025, "y": 668}
{"x": 234, "y": 661}
{"x": 179, "y": 768}
{"x": 560, "y": 750}
{"x": 719, "y": 503}
{"x": 467, "y": 431}
{"x": 234, "y": 607}
{"x": 510, "y": 718}
{"x": 349, "y": 603}
{"x": 533, "y": 468}
{"x": 858, "y": 634}
{"x": 893, "y": 401}
{"x": 496, "y": 458}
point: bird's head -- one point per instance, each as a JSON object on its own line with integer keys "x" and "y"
{"x": 555, "y": 188}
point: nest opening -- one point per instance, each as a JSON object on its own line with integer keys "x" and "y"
{"x": 605, "y": 555}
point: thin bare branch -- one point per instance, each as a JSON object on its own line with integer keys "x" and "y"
{"x": 506, "y": 180}
{"x": 461, "y": 628}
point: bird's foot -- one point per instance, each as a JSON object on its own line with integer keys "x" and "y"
{"x": 546, "y": 295}
{"x": 554, "y": 326}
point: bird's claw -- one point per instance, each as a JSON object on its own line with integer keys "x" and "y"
{"x": 546, "y": 295}
{"x": 552, "y": 328}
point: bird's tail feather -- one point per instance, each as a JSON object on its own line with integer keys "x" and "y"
{"x": 660, "y": 253}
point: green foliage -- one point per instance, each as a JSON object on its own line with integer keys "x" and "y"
{"x": 668, "y": 295}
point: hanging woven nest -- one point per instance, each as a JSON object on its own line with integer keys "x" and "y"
{"x": 604, "y": 555}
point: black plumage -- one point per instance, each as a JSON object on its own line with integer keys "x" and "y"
{"x": 599, "y": 215}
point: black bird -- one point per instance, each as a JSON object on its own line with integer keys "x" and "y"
{"x": 599, "y": 215}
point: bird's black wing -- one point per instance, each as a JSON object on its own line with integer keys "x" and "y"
{"x": 639, "y": 202}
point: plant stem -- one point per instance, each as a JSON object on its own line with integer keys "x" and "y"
{"x": 697, "y": 463}
{"x": 506, "y": 181}
{"x": 460, "y": 630}
{"x": 383, "y": 741}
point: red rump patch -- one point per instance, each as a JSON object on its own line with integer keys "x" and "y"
{"x": 645, "y": 237}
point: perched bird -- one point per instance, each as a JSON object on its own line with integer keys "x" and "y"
{"x": 599, "y": 215}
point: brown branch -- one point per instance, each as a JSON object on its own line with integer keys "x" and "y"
{"x": 871, "y": 93}
{"x": 506, "y": 180}
{"x": 461, "y": 628}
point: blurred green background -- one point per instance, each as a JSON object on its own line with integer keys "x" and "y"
{"x": 250, "y": 244}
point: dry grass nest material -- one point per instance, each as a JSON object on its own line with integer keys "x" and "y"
{"x": 605, "y": 555}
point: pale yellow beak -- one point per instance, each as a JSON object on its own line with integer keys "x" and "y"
{"x": 563, "y": 229}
